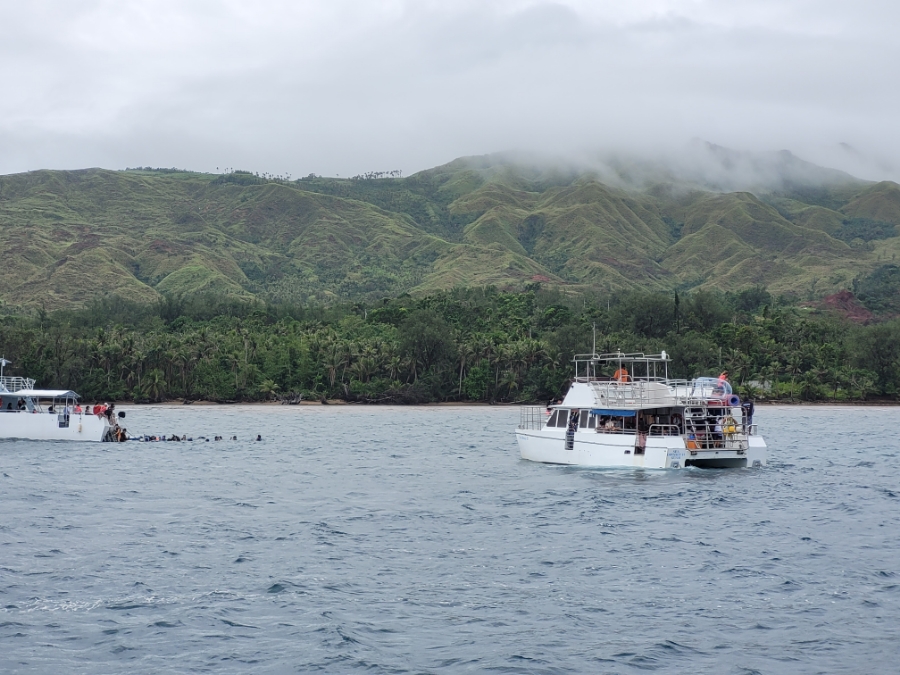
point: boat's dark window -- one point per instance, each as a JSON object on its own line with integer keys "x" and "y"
{"x": 563, "y": 418}
{"x": 586, "y": 419}
{"x": 551, "y": 421}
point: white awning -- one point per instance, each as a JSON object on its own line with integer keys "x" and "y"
{"x": 45, "y": 393}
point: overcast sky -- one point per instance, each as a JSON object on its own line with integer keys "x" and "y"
{"x": 339, "y": 87}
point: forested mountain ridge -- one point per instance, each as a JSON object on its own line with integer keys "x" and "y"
{"x": 69, "y": 236}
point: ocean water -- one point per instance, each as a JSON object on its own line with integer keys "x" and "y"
{"x": 414, "y": 540}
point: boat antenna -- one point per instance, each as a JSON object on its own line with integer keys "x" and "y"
{"x": 594, "y": 326}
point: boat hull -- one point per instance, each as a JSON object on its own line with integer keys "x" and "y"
{"x": 592, "y": 449}
{"x": 52, "y": 427}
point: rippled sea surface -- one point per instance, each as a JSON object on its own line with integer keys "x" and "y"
{"x": 414, "y": 540}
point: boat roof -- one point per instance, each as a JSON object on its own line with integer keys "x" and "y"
{"x": 622, "y": 356}
{"x": 45, "y": 393}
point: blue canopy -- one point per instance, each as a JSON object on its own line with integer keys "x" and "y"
{"x": 613, "y": 413}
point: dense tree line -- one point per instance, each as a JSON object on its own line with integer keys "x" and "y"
{"x": 461, "y": 345}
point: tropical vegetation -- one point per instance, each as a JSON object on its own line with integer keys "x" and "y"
{"x": 477, "y": 345}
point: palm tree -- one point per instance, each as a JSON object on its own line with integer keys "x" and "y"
{"x": 394, "y": 365}
{"x": 466, "y": 351}
{"x": 334, "y": 359}
{"x": 155, "y": 385}
{"x": 809, "y": 385}
{"x": 769, "y": 377}
{"x": 793, "y": 367}
{"x": 510, "y": 381}
{"x": 268, "y": 388}
{"x": 363, "y": 368}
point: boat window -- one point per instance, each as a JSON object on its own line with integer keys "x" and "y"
{"x": 587, "y": 420}
{"x": 563, "y": 418}
{"x": 552, "y": 421}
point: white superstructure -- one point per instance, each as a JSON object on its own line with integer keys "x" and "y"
{"x": 47, "y": 414}
{"x": 635, "y": 416}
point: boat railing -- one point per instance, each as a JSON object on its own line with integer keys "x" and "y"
{"x": 652, "y": 391}
{"x": 644, "y": 392}
{"x": 700, "y": 437}
{"x": 665, "y": 430}
{"x": 730, "y": 442}
{"x": 13, "y": 384}
{"x": 532, "y": 417}
{"x": 614, "y": 430}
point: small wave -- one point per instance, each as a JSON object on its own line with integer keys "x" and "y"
{"x": 122, "y": 648}
{"x": 235, "y": 624}
{"x": 675, "y": 647}
{"x": 127, "y": 605}
{"x": 280, "y": 587}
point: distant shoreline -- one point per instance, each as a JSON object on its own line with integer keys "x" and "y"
{"x": 457, "y": 404}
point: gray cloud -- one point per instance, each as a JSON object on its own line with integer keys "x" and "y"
{"x": 344, "y": 86}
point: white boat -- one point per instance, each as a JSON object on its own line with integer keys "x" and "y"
{"x": 622, "y": 410}
{"x": 48, "y": 414}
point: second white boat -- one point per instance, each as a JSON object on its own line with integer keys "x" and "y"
{"x": 622, "y": 410}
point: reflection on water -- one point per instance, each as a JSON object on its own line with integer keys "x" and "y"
{"x": 415, "y": 540}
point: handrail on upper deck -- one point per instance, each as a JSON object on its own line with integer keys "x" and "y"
{"x": 623, "y": 356}
{"x": 10, "y": 384}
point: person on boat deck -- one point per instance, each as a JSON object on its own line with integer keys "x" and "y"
{"x": 747, "y": 407}
{"x": 642, "y": 424}
{"x": 78, "y": 408}
{"x": 9, "y": 406}
{"x": 20, "y": 404}
{"x": 621, "y": 375}
{"x": 573, "y": 421}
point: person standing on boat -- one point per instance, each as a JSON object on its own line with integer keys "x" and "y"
{"x": 747, "y": 406}
{"x": 621, "y": 375}
{"x": 718, "y": 435}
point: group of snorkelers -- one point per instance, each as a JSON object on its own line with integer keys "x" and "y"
{"x": 185, "y": 437}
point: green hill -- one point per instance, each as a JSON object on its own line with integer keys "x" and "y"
{"x": 69, "y": 236}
